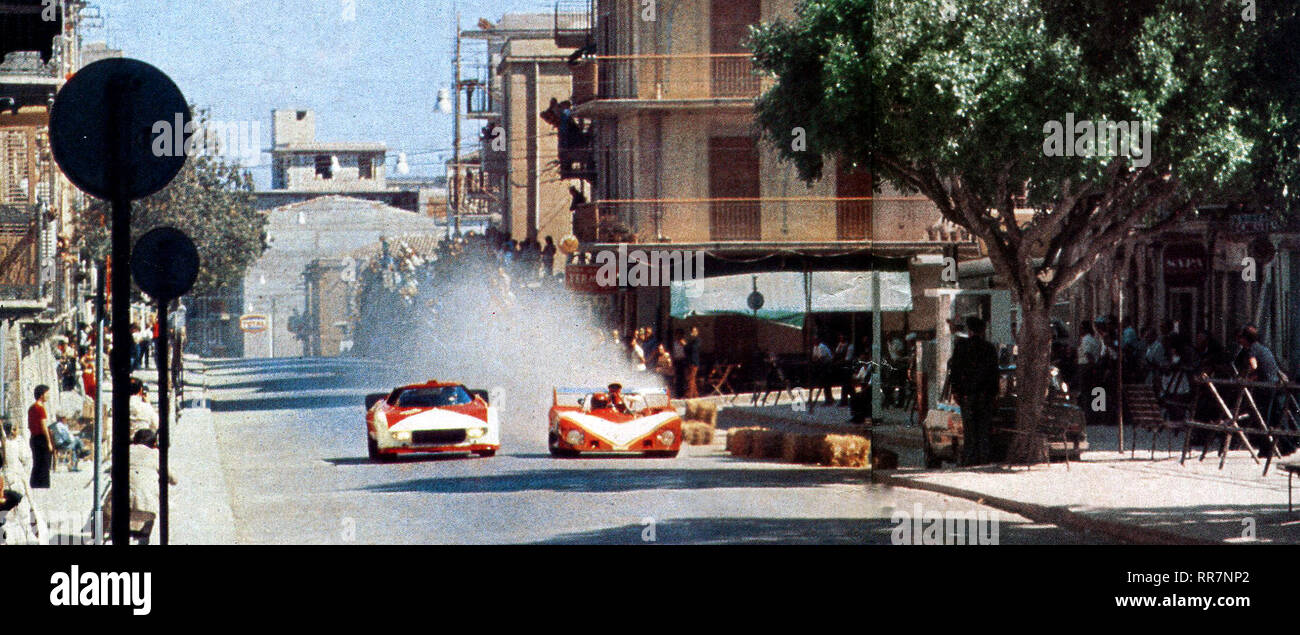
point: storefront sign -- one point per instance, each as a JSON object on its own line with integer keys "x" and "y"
{"x": 1253, "y": 224}
{"x": 254, "y": 323}
{"x": 583, "y": 279}
{"x": 1184, "y": 265}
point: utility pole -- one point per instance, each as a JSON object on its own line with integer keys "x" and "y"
{"x": 455, "y": 133}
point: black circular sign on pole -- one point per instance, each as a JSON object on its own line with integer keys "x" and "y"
{"x": 755, "y": 299}
{"x": 165, "y": 263}
{"x": 119, "y": 128}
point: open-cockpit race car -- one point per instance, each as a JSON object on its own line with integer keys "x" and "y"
{"x": 431, "y": 417}
{"x": 612, "y": 420}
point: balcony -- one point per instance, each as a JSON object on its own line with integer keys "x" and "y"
{"x": 574, "y": 23}
{"x": 18, "y": 256}
{"x": 729, "y": 220}
{"x": 666, "y": 81}
{"x": 577, "y": 160}
{"x": 482, "y": 97}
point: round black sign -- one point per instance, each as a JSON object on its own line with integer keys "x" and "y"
{"x": 119, "y": 129}
{"x": 165, "y": 263}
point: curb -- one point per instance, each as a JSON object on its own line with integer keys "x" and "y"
{"x": 1056, "y": 515}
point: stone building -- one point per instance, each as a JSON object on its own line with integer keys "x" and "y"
{"x": 41, "y": 280}
{"x": 666, "y": 111}
{"x": 298, "y": 234}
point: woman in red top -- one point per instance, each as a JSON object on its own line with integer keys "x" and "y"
{"x": 88, "y": 376}
{"x": 42, "y": 446}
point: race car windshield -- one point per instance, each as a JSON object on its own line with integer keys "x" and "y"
{"x": 434, "y": 397}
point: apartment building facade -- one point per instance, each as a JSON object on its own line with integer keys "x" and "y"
{"x": 523, "y": 71}
{"x": 42, "y": 282}
{"x": 667, "y": 91}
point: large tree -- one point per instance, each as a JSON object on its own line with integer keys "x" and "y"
{"x": 211, "y": 200}
{"x": 965, "y": 102}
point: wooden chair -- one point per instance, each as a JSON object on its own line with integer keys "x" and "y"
{"x": 719, "y": 380}
{"x": 1142, "y": 411}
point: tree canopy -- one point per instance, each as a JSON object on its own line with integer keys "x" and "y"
{"x": 980, "y": 103}
{"x": 211, "y": 201}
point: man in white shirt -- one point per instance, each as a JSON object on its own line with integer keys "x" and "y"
{"x": 143, "y": 416}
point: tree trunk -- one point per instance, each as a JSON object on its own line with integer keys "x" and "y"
{"x": 1033, "y": 363}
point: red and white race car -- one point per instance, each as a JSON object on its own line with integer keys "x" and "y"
{"x": 611, "y": 420}
{"x": 431, "y": 417}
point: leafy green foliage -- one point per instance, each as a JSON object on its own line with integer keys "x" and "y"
{"x": 212, "y": 202}
{"x": 893, "y": 79}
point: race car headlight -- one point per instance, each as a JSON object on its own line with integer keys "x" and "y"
{"x": 666, "y": 437}
{"x": 475, "y": 433}
{"x": 573, "y": 437}
{"x": 402, "y": 436}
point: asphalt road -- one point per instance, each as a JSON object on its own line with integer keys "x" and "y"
{"x": 291, "y": 438}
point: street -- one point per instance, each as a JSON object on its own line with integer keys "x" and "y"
{"x": 291, "y": 443}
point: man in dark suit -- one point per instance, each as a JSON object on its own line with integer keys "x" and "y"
{"x": 973, "y": 373}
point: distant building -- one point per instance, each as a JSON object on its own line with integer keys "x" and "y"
{"x": 299, "y": 234}
{"x": 300, "y": 162}
{"x": 303, "y": 168}
{"x": 520, "y": 166}
{"x": 96, "y": 51}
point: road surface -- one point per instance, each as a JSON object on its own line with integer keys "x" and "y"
{"x": 291, "y": 439}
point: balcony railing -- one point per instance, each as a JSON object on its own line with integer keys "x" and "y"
{"x": 668, "y": 77}
{"x": 734, "y": 219}
{"x": 574, "y": 22}
{"x": 18, "y": 254}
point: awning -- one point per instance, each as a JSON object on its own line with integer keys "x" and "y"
{"x": 785, "y": 296}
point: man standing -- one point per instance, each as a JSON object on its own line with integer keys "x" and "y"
{"x": 843, "y": 361}
{"x": 38, "y": 423}
{"x": 679, "y": 364}
{"x": 823, "y": 371}
{"x": 973, "y": 372}
{"x": 693, "y": 364}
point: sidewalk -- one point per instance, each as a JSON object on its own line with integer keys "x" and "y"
{"x": 1130, "y": 498}
{"x": 1125, "y": 497}
{"x": 200, "y": 508}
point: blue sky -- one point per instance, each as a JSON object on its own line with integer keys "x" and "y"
{"x": 371, "y": 74}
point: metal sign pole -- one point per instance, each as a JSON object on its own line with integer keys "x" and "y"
{"x": 99, "y": 404}
{"x": 120, "y": 364}
{"x": 164, "y": 418}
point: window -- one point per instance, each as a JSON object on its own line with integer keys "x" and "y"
{"x": 434, "y": 397}
{"x": 323, "y": 169}
{"x": 735, "y": 212}
{"x": 364, "y": 167}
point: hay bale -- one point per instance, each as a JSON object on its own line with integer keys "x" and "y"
{"x": 703, "y": 411}
{"x": 801, "y": 448}
{"x": 696, "y": 433}
{"x": 884, "y": 459}
{"x": 768, "y": 444}
{"x": 740, "y": 441}
{"x": 844, "y": 450}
